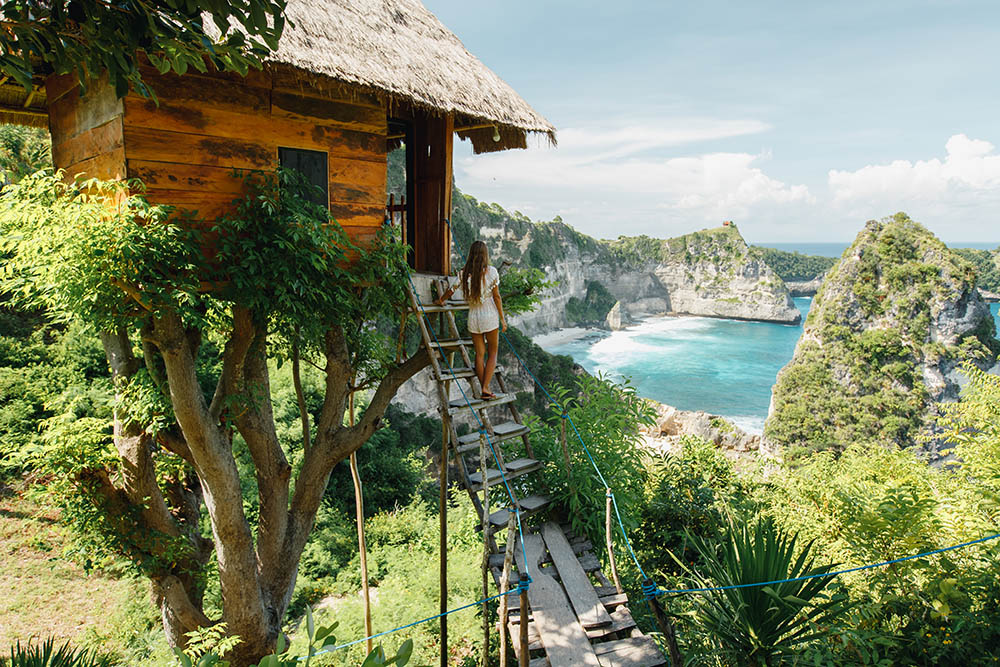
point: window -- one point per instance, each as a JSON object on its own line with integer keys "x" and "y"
{"x": 313, "y": 165}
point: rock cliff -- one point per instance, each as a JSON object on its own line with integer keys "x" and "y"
{"x": 883, "y": 343}
{"x": 711, "y": 273}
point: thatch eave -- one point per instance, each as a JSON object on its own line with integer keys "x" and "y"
{"x": 401, "y": 50}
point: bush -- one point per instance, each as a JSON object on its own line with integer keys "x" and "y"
{"x": 760, "y": 625}
{"x": 608, "y": 417}
{"x": 47, "y": 654}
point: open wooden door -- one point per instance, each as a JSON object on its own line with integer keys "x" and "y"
{"x": 428, "y": 186}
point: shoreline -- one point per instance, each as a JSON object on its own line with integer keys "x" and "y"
{"x": 750, "y": 424}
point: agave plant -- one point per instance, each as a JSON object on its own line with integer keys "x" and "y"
{"x": 47, "y": 655}
{"x": 762, "y": 625}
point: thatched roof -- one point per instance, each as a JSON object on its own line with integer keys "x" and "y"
{"x": 21, "y": 107}
{"x": 399, "y": 48}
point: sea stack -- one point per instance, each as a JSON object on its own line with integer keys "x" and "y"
{"x": 884, "y": 342}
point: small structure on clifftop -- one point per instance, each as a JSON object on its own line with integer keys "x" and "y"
{"x": 350, "y": 81}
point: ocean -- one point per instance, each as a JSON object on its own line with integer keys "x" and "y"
{"x": 725, "y": 367}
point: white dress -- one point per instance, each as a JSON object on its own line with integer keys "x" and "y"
{"x": 483, "y": 315}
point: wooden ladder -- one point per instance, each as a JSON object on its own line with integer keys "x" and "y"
{"x": 576, "y": 615}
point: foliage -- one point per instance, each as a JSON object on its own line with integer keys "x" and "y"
{"x": 550, "y": 369}
{"x": 593, "y": 308}
{"x": 987, "y": 263}
{"x": 973, "y": 426}
{"x": 607, "y": 417}
{"x": 795, "y": 265}
{"x": 47, "y": 654}
{"x": 757, "y": 625}
{"x": 202, "y": 305}
{"x": 521, "y": 289}
{"x": 23, "y": 150}
{"x": 874, "y": 504}
{"x": 89, "y": 38}
{"x": 691, "y": 492}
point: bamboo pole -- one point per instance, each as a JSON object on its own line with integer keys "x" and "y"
{"x": 359, "y": 508}
{"x": 609, "y": 543}
{"x": 508, "y": 561}
{"x": 523, "y": 653}
{"x": 484, "y": 466}
{"x": 443, "y": 524}
{"x": 667, "y": 628}
{"x": 562, "y": 441}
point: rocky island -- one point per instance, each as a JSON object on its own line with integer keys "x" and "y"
{"x": 711, "y": 273}
{"x": 887, "y": 334}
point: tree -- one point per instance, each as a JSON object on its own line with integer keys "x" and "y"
{"x": 91, "y": 37}
{"x": 23, "y": 150}
{"x": 190, "y": 314}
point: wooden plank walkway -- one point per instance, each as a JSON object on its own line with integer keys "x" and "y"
{"x": 579, "y": 589}
{"x": 566, "y": 643}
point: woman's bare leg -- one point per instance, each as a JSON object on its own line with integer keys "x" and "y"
{"x": 493, "y": 340}
{"x": 479, "y": 343}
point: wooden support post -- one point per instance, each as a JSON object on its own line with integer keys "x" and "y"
{"x": 508, "y": 561}
{"x": 523, "y": 626}
{"x": 443, "y": 524}
{"x": 610, "y": 544}
{"x": 562, "y": 441}
{"x": 666, "y": 627}
{"x": 359, "y": 507}
{"x": 484, "y": 467}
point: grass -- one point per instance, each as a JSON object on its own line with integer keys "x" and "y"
{"x": 44, "y": 593}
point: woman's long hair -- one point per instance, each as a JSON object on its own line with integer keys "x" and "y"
{"x": 475, "y": 269}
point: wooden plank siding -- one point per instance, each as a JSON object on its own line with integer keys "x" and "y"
{"x": 187, "y": 143}
{"x": 86, "y": 130}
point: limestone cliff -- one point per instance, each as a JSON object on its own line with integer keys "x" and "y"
{"x": 710, "y": 273}
{"x": 886, "y": 335}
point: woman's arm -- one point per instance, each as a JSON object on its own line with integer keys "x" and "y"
{"x": 444, "y": 297}
{"x": 499, "y": 302}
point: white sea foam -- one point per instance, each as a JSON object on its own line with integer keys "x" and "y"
{"x": 749, "y": 423}
{"x": 651, "y": 339}
{"x": 560, "y": 337}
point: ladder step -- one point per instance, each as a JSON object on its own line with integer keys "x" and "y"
{"x": 447, "y": 343}
{"x": 529, "y": 506}
{"x": 501, "y": 432}
{"x": 460, "y": 372}
{"x": 455, "y": 373}
{"x": 460, "y": 404}
{"x": 513, "y": 469}
{"x": 450, "y": 306}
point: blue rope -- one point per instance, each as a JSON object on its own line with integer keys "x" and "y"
{"x": 513, "y": 591}
{"x": 651, "y": 590}
{"x": 870, "y": 566}
{"x": 482, "y": 429}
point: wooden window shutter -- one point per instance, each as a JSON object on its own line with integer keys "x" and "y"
{"x": 428, "y": 156}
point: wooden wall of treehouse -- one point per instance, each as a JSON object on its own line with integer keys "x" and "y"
{"x": 185, "y": 146}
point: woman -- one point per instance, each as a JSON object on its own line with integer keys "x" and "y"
{"x": 480, "y": 285}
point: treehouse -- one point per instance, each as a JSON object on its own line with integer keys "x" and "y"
{"x": 350, "y": 82}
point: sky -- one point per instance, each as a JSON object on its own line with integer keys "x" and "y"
{"x": 797, "y": 120}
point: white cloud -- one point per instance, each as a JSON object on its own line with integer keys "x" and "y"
{"x": 970, "y": 167}
{"x": 627, "y": 179}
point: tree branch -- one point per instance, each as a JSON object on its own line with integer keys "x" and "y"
{"x": 332, "y": 445}
{"x": 300, "y": 397}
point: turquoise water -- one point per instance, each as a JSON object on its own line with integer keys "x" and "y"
{"x": 725, "y": 367}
